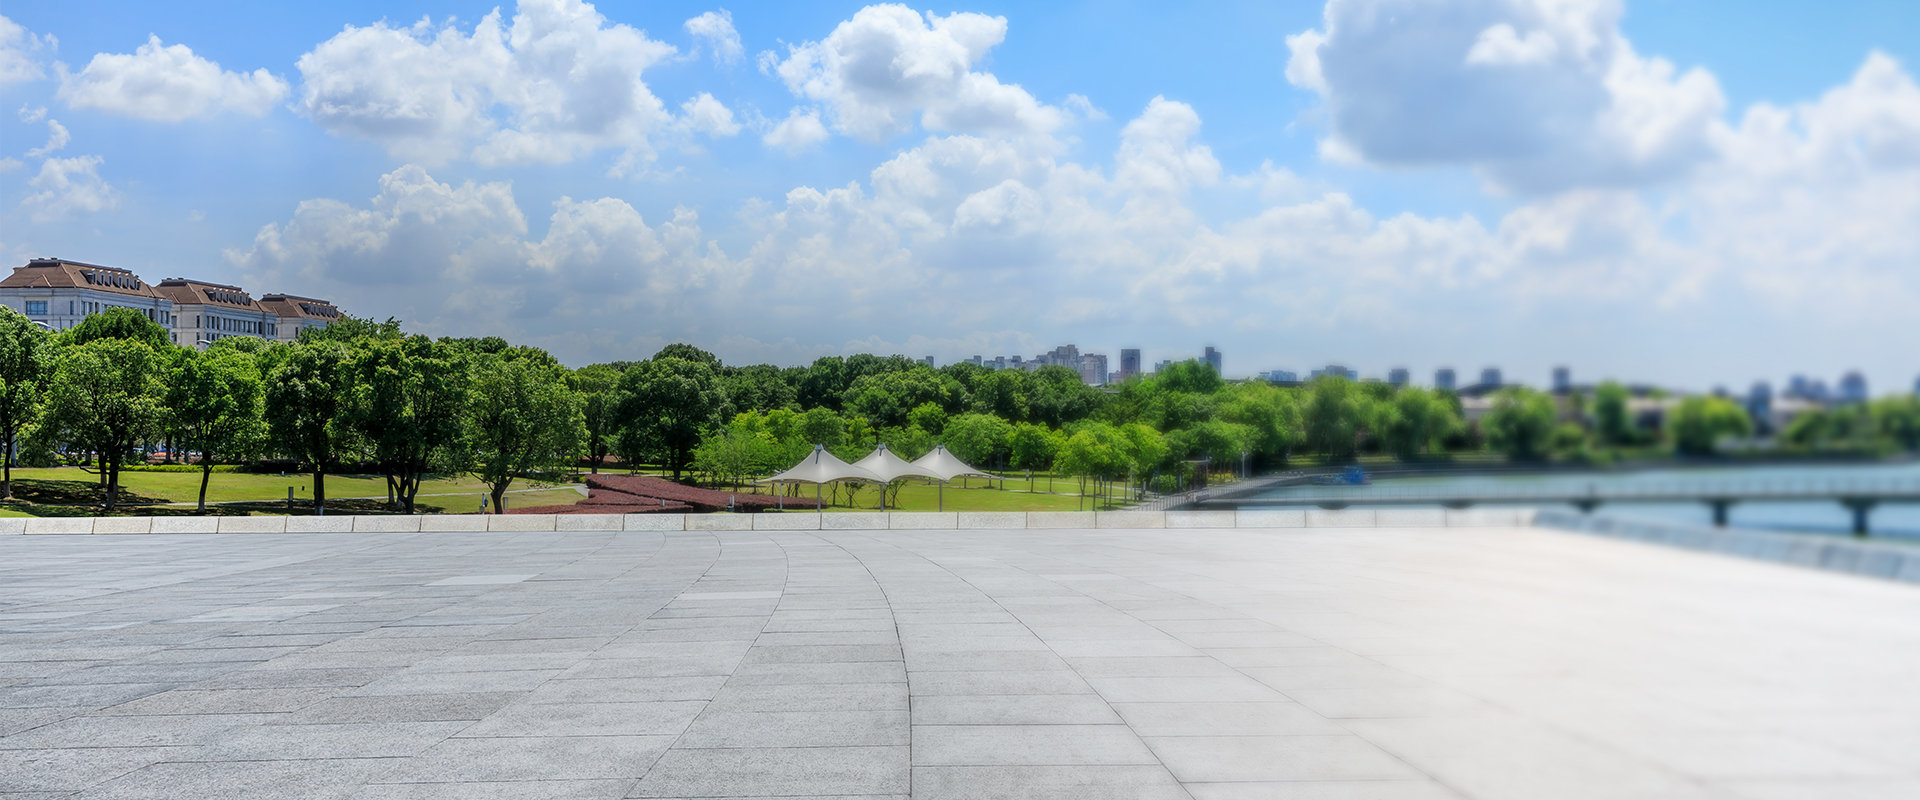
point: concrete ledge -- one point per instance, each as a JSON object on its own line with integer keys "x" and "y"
{"x": 719, "y": 522}
{"x": 1410, "y": 517}
{"x": 808, "y": 521}
{"x": 1271, "y": 518}
{"x": 923, "y": 520}
{"x": 588, "y": 522}
{"x": 1488, "y": 517}
{"x": 253, "y": 524}
{"x": 401, "y": 524}
{"x": 1342, "y": 518}
{"x": 123, "y": 525}
{"x": 1128, "y": 520}
{"x": 59, "y": 525}
{"x": 656, "y": 522}
{"x": 12, "y": 526}
{"x": 453, "y": 523}
{"x": 1831, "y": 553}
{"x": 1061, "y": 519}
{"x": 185, "y": 525}
{"x": 990, "y": 520}
{"x": 1200, "y": 519}
{"x": 520, "y": 522}
{"x": 320, "y": 524}
{"x": 854, "y": 521}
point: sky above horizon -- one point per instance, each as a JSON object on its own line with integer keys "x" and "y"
{"x": 1683, "y": 192}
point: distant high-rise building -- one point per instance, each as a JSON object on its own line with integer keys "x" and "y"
{"x": 1014, "y": 362}
{"x": 1129, "y": 362}
{"x": 975, "y": 360}
{"x": 1337, "y": 371}
{"x": 1093, "y": 368}
{"x": 1853, "y": 387}
{"x": 1162, "y": 366}
{"x": 999, "y": 362}
{"x": 1916, "y": 385}
{"x": 1443, "y": 379}
{"x": 1283, "y": 376}
{"x": 1397, "y": 377}
{"x": 1490, "y": 377}
{"x": 929, "y": 360}
{"x": 1760, "y": 407}
{"x": 1562, "y": 380}
{"x": 1213, "y": 357}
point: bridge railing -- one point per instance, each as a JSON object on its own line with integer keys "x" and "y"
{"x": 1893, "y": 489}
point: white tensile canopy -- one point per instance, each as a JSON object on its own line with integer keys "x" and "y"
{"x": 822, "y": 467}
{"x": 945, "y": 466}
{"x": 890, "y": 468}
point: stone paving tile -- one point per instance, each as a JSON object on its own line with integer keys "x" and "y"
{"x": 779, "y": 729}
{"x": 770, "y": 772}
{"x": 1080, "y": 709}
{"x": 329, "y": 778}
{"x": 531, "y": 758}
{"x": 498, "y": 790}
{"x": 588, "y": 719}
{"x": 1028, "y": 745}
{"x": 150, "y": 731}
{"x": 66, "y": 770}
{"x": 344, "y": 740}
{"x": 404, "y": 708}
{"x": 1046, "y": 783}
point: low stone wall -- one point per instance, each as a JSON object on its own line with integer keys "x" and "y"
{"x": 1891, "y": 561}
{"x": 790, "y": 521}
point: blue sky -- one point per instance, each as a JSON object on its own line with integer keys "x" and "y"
{"x": 1686, "y": 192}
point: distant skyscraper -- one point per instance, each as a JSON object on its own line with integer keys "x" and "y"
{"x": 1490, "y": 377}
{"x": 1129, "y": 361}
{"x": 1337, "y": 371}
{"x": 1397, "y": 376}
{"x": 1213, "y": 357}
{"x": 1443, "y": 379}
{"x": 1284, "y": 376}
{"x": 976, "y": 361}
{"x": 1162, "y": 366}
{"x": 1093, "y": 368}
{"x": 1853, "y": 387}
{"x": 929, "y": 360}
{"x": 1562, "y": 380}
{"x": 1760, "y": 407}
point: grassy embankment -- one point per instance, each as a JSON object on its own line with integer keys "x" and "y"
{"x": 70, "y": 491}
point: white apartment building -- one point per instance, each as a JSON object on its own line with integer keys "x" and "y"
{"x": 59, "y": 293}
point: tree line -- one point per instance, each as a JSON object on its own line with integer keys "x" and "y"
{"x": 371, "y": 396}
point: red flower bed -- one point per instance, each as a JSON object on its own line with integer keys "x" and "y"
{"x": 656, "y": 489}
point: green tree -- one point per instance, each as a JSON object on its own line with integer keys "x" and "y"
{"x": 687, "y": 352}
{"x": 1034, "y": 446}
{"x": 1058, "y": 396}
{"x": 1418, "y": 417}
{"x": 1004, "y": 393}
{"x": 1192, "y": 376}
{"x": 1520, "y": 423}
{"x": 668, "y": 404}
{"x": 599, "y": 389}
{"x": 521, "y": 419}
{"x": 929, "y": 417}
{"x": 305, "y": 400}
{"x": 347, "y": 329}
{"x": 1095, "y": 452}
{"x": 733, "y": 453}
{"x": 214, "y": 405}
{"x": 1610, "y": 417}
{"x": 1899, "y": 420}
{"x": 886, "y": 398}
{"x": 1270, "y": 414}
{"x": 119, "y": 323}
{"x": 978, "y": 439}
{"x": 106, "y": 395}
{"x": 1333, "y": 416}
{"x": 408, "y": 403}
{"x": 761, "y": 387}
{"x": 24, "y": 351}
{"x": 1698, "y": 422}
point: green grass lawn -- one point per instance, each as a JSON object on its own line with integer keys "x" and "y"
{"x": 1010, "y": 495}
{"x": 65, "y": 491}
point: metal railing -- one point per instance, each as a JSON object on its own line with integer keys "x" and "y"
{"x": 1732, "y": 490}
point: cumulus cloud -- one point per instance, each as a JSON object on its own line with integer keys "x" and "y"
{"x": 876, "y": 71}
{"x": 799, "y": 131}
{"x": 1539, "y": 95}
{"x": 57, "y": 138}
{"x": 708, "y": 116}
{"x": 716, "y": 29}
{"x": 19, "y": 53}
{"x": 69, "y": 187}
{"x": 556, "y": 84}
{"x": 168, "y": 83}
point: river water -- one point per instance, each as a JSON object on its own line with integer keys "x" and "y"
{"x": 1892, "y": 520}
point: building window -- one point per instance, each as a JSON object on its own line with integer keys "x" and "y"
{"x": 37, "y": 308}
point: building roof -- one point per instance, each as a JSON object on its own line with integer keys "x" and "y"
{"x": 946, "y": 465}
{"x": 55, "y": 273}
{"x": 884, "y": 463}
{"x": 186, "y": 292}
{"x": 293, "y": 305}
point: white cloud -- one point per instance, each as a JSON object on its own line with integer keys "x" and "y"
{"x": 1539, "y": 95}
{"x": 554, "y": 86}
{"x": 886, "y": 64}
{"x": 716, "y": 29}
{"x": 34, "y": 114}
{"x": 797, "y": 132}
{"x": 708, "y": 116}
{"x": 19, "y": 50}
{"x": 57, "y": 138}
{"x": 168, "y": 83}
{"x": 69, "y": 187}
{"x": 10, "y": 164}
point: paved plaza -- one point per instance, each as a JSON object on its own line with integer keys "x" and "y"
{"x": 1209, "y": 664}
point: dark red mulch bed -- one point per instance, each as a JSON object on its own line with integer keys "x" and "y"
{"x": 655, "y": 489}
{"x": 605, "y": 508}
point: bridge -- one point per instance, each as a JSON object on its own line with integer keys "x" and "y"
{"x": 1857, "y": 495}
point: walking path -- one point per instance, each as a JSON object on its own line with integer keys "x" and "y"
{"x": 1305, "y": 663}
